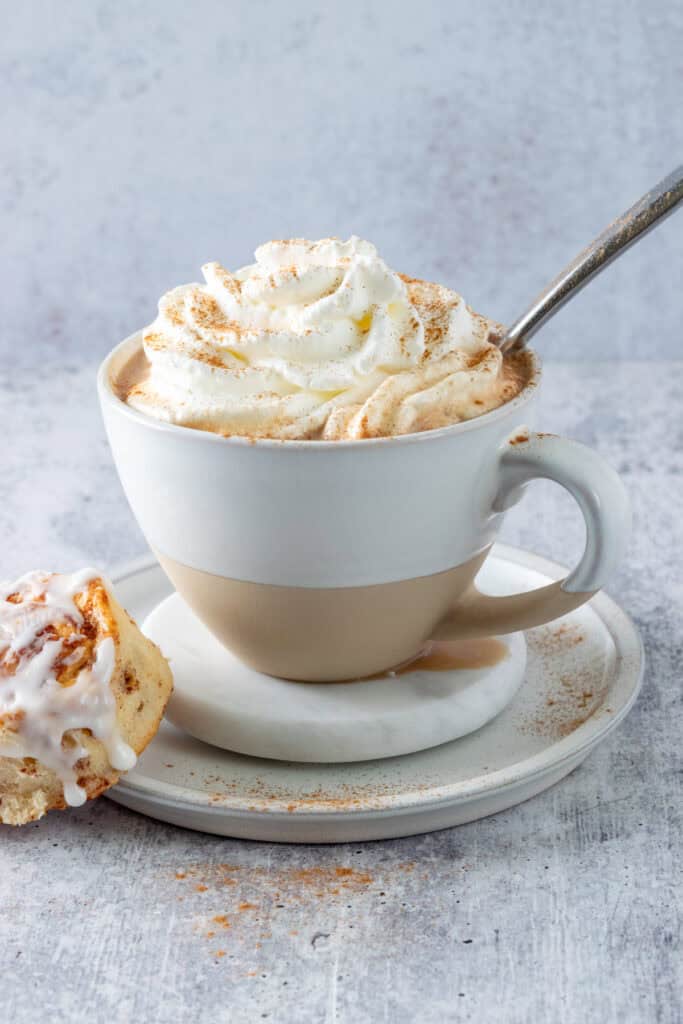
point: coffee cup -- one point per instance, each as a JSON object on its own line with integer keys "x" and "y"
{"x": 331, "y": 560}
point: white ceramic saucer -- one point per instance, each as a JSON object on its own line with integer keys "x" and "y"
{"x": 218, "y": 699}
{"x": 583, "y": 674}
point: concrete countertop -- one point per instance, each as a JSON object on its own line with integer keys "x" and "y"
{"x": 564, "y": 909}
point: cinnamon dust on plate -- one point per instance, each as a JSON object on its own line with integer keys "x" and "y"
{"x": 570, "y": 698}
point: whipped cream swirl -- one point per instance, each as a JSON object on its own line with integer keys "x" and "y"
{"x": 317, "y": 340}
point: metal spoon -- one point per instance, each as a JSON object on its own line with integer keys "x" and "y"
{"x": 617, "y": 237}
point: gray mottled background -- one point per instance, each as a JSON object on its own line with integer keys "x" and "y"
{"x": 480, "y": 144}
{"x": 477, "y": 143}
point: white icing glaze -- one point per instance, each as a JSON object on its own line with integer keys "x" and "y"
{"x": 48, "y": 709}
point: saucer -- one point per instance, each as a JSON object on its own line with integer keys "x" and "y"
{"x": 220, "y": 700}
{"x": 583, "y": 674}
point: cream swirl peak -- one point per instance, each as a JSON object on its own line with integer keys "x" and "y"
{"x": 317, "y": 340}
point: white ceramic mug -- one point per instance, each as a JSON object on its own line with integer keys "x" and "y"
{"x": 333, "y": 560}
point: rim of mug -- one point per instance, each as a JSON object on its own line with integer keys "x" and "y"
{"x": 107, "y": 393}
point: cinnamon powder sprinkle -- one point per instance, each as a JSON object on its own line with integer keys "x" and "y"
{"x": 294, "y": 884}
{"x": 249, "y": 920}
{"x": 266, "y": 796}
{"x": 569, "y": 699}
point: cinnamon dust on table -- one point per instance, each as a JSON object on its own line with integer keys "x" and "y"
{"x": 221, "y": 920}
{"x": 298, "y": 885}
{"x": 247, "y": 920}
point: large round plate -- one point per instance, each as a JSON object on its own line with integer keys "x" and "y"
{"x": 583, "y": 675}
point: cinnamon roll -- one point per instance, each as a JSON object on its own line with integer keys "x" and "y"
{"x": 82, "y": 692}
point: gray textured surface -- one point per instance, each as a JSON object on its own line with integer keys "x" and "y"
{"x": 480, "y": 144}
{"x": 564, "y": 909}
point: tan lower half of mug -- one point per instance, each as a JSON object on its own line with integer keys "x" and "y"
{"x": 322, "y": 634}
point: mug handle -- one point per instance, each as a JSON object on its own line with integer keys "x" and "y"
{"x": 602, "y": 498}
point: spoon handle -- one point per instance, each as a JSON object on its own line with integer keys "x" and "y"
{"x": 617, "y": 237}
